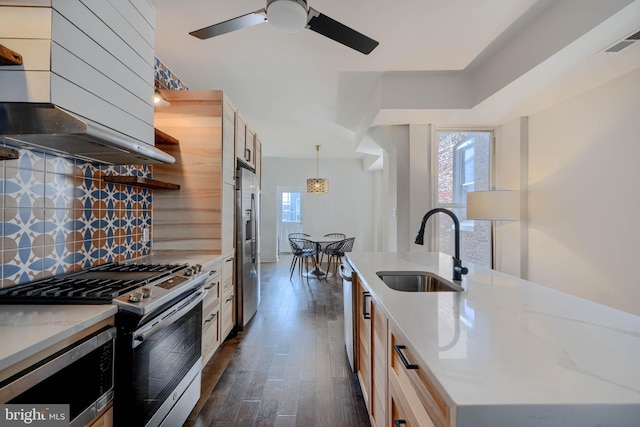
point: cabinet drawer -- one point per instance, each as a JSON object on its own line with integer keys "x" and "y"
{"x": 404, "y": 412}
{"x": 226, "y": 314}
{"x": 415, "y": 382}
{"x": 227, "y": 288}
{"x": 210, "y": 334}
{"x": 212, "y": 286}
{"x": 227, "y": 269}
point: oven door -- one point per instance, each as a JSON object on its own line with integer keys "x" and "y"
{"x": 158, "y": 364}
{"x": 80, "y": 376}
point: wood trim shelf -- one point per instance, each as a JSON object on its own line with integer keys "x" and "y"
{"x": 9, "y": 57}
{"x": 165, "y": 138}
{"x": 7, "y": 153}
{"x": 139, "y": 181}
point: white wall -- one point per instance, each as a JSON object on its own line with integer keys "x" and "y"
{"x": 345, "y": 208}
{"x": 584, "y": 195}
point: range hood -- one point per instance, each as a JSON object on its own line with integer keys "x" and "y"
{"x": 49, "y": 127}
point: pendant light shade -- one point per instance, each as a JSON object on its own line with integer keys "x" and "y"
{"x": 317, "y": 185}
{"x": 159, "y": 100}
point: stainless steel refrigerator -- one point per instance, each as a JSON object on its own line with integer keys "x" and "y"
{"x": 247, "y": 246}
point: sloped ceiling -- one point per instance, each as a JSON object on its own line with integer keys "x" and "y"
{"x": 456, "y": 62}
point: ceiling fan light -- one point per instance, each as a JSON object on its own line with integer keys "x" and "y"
{"x": 288, "y": 16}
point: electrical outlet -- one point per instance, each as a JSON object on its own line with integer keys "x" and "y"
{"x": 145, "y": 234}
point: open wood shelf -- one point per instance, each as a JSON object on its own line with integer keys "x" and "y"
{"x": 7, "y": 153}
{"x": 139, "y": 181}
{"x": 9, "y": 57}
{"x": 165, "y": 138}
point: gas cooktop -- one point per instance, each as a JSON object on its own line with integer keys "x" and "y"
{"x": 129, "y": 285}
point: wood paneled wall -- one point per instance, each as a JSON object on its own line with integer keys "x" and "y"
{"x": 190, "y": 218}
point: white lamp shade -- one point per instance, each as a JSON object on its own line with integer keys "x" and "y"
{"x": 502, "y": 205}
{"x": 288, "y": 16}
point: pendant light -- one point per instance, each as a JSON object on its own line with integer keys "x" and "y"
{"x": 159, "y": 100}
{"x": 317, "y": 185}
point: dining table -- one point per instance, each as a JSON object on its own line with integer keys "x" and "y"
{"x": 321, "y": 242}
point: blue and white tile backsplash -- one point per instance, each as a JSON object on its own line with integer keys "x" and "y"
{"x": 165, "y": 79}
{"x": 58, "y": 215}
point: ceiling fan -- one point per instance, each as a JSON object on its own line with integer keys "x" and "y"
{"x": 291, "y": 16}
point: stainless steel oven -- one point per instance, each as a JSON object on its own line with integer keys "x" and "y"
{"x": 81, "y": 376}
{"x": 159, "y": 332}
{"x": 159, "y": 363}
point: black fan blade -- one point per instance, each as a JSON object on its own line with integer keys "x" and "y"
{"x": 244, "y": 21}
{"x": 333, "y": 29}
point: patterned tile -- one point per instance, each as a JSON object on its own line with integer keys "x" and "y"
{"x": 165, "y": 79}
{"x": 57, "y": 215}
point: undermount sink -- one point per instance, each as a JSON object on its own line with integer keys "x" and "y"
{"x": 417, "y": 281}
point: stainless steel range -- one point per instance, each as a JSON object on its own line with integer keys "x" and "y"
{"x": 136, "y": 287}
{"x": 159, "y": 332}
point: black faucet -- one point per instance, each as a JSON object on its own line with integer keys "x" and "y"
{"x": 458, "y": 269}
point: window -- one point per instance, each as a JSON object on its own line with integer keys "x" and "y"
{"x": 291, "y": 207}
{"x": 463, "y": 166}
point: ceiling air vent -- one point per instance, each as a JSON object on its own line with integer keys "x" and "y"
{"x": 617, "y": 47}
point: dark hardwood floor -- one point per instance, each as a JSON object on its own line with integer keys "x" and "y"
{"x": 288, "y": 367}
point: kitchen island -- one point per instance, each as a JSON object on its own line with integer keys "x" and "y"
{"x": 507, "y": 352}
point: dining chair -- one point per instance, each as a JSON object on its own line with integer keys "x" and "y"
{"x": 299, "y": 235}
{"x": 335, "y": 251}
{"x": 302, "y": 249}
{"x": 336, "y": 235}
{"x": 332, "y": 235}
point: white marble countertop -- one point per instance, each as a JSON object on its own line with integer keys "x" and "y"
{"x": 27, "y": 329}
{"x": 507, "y": 352}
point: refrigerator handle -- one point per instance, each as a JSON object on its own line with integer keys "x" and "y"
{"x": 253, "y": 229}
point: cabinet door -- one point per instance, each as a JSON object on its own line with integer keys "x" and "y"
{"x": 372, "y": 355}
{"x": 364, "y": 342}
{"x": 227, "y": 308}
{"x": 421, "y": 398}
{"x": 402, "y": 410}
{"x": 379, "y": 365}
{"x": 211, "y": 315}
{"x": 258, "y": 160}
{"x": 250, "y": 147}
{"x": 228, "y": 142}
{"x": 228, "y": 217}
{"x": 241, "y": 136}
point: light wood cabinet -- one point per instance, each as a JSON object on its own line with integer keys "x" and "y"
{"x": 241, "y": 137}
{"x": 413, "y": 396}
{"x": 211, "y": 334}
{"x": 258, "y": 157}
{"x": 228, "y": 142}
{"x": 227, "y": 307}
{"x": 372, "y": 355}
{"x": 250, "y": 148}
{"x": 245, "y": 142}
{"x": 396, "y": 390}
{"x": 199, "y": 216}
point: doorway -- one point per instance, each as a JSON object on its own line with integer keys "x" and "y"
{"x": 289, "y": 215}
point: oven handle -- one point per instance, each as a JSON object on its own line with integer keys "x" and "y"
{"x": 168, "y": 318}
{"x": 70, "y": 355}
